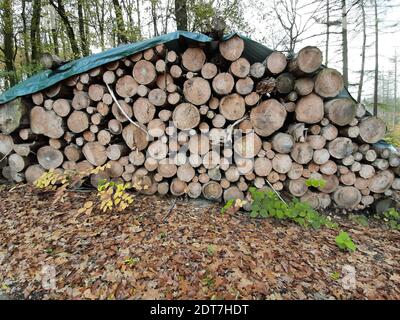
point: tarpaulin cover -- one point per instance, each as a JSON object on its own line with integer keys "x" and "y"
{"x": 253, "y": 51}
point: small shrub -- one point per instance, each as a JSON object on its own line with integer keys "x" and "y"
{"x": 316, "y": 183}
{"x": 267, "y": 204}
{"x": 392, "y": 217}
{"x": 232, "y": 206}
{"x": 344, "y": 242}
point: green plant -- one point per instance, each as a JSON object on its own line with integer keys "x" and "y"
{"x": 360, "y": 219}
{"x": 392, "y": 217}
{"x": 316, "y": 183}
{"x": 344, "y": 242}
{"x": 233, "y": 205}
{"x": 227, "y": 205}
{"x": 267, "y": 204}
{"x": 335, "y": 276}
{"x": 210, "y": 249}
{"x": 131, "y": 261}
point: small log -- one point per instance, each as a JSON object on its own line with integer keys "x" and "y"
{"x": 244, "y": 86}
{"x": 340, "y": 111}
{"x": 232, "y": 107}
{"x": 267, "y": 117}
{"x": 304, "y": 86}
{"x": 248, "y": 146}
{"x": 167, "y": 168}
{"x": 296, "y": 171}
{"x": 307, "y": 61}
{"x": 232, "y": 49}
{"x": 186, "y": 116}
{"x": 49, "y": 158}
{"x": 302, "y": 152}
{"x": 321, "y": 156}
{"x": 78, "y": 121}
{"x": 257, "y": 70}
{"x": 126, "y": 86}
{"x": 340, "y": 147}
{"x": 310, "y": 109}
{"x": 275, "y": 63}
{"x": 144, "y": 72}
{"x": 317, "y": 142}
{"x": 328, "y": 168}
{"x": 252, "y": 99}
{"x": 176, "y": 71}
{"x": 329, "y": 132}
{"x": 143, "y": 110}
{"x": 372, "y": 129}
{"x": 197, "y": 90}
{"x": 212, "y": 190}
{"x": 282, "y": 163}
{"x": 297, "y": 187}
{"x": 95, "y": 153}
{"x": 193, "y": 59}
{"x": 135, "y": 138}
{"x": 284, "y": 83}
{"x": 208, "y": 70}
{"x": 223, "y": 83}
{"x": 81, "y": 100}
{"x": 347, "y": 197}
{"x": 240, "y": 68}
{"x": 158, "y": 97}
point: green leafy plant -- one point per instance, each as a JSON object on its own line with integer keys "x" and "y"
{"x": 392, "y": 217}
{"x": 316, "y": 183}
{"x": 359, "y": 219}
{"x": 266, "y": 204}
{"x": 227, "y": 205}
{"x": 210, "y": 249}
{"x": 335, "y": 276}
{"x": 344, "y": 242}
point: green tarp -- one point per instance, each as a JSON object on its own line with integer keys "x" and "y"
{"x": 253, "y": 51}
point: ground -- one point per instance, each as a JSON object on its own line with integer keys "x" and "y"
{"x": 191, "y": 251}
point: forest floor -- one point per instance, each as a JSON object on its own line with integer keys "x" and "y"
{"x": 192, "y": 252}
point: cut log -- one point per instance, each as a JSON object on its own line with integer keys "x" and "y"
{"x": 284, "y": 83}
{"x": 167, "y": 168}
{"x": 347, "y": 197}
{"x": 321, "y": 156}
{"x": 312, "y": 198}
{"x": 275, "y": 63}
{"x": 304, "y": 86}
{"x": 340, "y": 147}
{"x": 158, "y": 97}
{"x": 47, "y": 123}
{"x": 308, "y": 60}
{"x": 381, "y": 181}
{"x": 257, "y": 70}
{"x": 212, "y": 190}
{"x": 244, "y": 86}
{"x": 144, "y": 72}
{"x": 248, "y": 146}
{"x": 331, "y": 183}
{"x": 178, "y": 187}
{"x": 49, "y": 158}
{"x": 62, "y": 107}
{"x": 127, "y": 86}
{"x": 252, "y": 99}
{"x": 233, "y": 193}
{"x": 268, "y": 117}
{"x": 143, "y": 110}
{"x": 232, "y": 49}
{"x": 297, "y": 187}
{"x": 232, "y": 107}
{"x": 186, "y": 116}
{"x": 197, "y": 91}
{"x": 340, "y": 111}
{"x": 372, "y": 129}
{"x": 282, "y": 163}
{"x": 95, "y": 153}
{"x": 81, "y": 100}
{"x": 310, "y": 109}
{"x": 223, "y": 83}
{"x": 329, "y": 132}
{"x": 12, "y": 114}
{"x": 302, "y": 152}
{"x": 296, "y": 171}
{"x": 240, "y": 68}
{"x": 135, "y": 137}
{"x": 208, "y": 70}
{"x": 348, "y": 179}
{"x": 328, "y": 83}
{"x": 317, "y": 142}
{"x": 193, "y": 59}
{"x": 33, "y": 172}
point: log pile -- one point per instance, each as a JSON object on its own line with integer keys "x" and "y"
{"x": 205, "y": 123}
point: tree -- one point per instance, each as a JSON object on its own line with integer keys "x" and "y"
{"x": 362, "y": 70}
{"x": 68, "y": 27}
{"x": 82, "y": 32}
{"x": 35, "y": 30}
{"x": 181, "y": 15}
{"x": 376, "y": 77}
{"x": 8, "y": 41}
{"x": 121, "y": 33}
{"x": 345, "y": 69}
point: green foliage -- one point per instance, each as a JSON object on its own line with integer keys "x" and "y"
{"x": 344, "y": 242}
{"x": 335, "y": 276}
{"x": 267, "y": 204}
{"x": 316, "y": 183}
{"x": 359, "y": 219}
{"x": 210, "y": 249}
{"x": 227, "y": 205}
{"x": 392, "y": 217}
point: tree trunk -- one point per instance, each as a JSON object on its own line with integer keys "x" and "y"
{"x": 121, "y": 33}
{"x": 82, "y": 34}
{"x": 8, "y": 42}
{"x": 181, "y": 15}
{"x": 345, "y": 70}
{"x": 364, "y": 27}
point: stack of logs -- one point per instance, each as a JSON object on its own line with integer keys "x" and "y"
{"x": 206, "y": 123}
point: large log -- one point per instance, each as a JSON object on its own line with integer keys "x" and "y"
{"x": 186, "y": 116}
{"x": 372, "y": 129}
{"x": 340, "y": 111}
{"x": 49, "y": 158}
{"x": 95, "y": 153}
{"x": 197, "y": 90}
{"x": 347, "y": 197}
{"x": 308, "y": 60}
{"x": 47, "y": 123}
{"x": 193, "y": 59}
{"x": 310, "y": 109}
{"x": 232, "y": 49}
{"x": 328, "y": 83}
{"x": 144, "y": 72}
{"x": 12, "y": 114}
{"x": 232, "y": 107}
